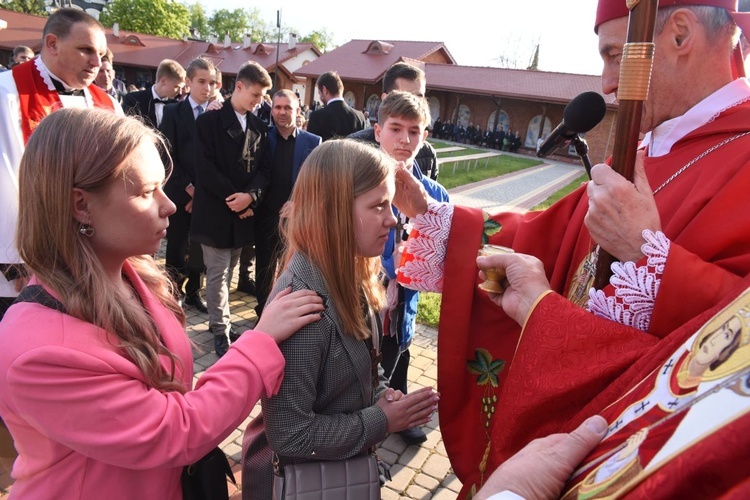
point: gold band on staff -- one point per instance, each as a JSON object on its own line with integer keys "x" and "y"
{"x": 635, "y": 71}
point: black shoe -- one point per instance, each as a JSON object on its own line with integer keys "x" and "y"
{"x": 247, "y": 286}
{"x": 233, "y": 335}
{"x": 221, "y": 345}
{"x": 196, "y": 301}
{"x": 413, "y": 435}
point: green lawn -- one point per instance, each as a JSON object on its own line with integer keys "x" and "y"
{"x": 485, "y": 169}
{"x": 561, "y": 193}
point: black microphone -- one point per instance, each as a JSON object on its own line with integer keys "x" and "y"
{"x": 581, "y": 114}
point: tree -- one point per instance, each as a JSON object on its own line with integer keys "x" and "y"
{"x": 240, "y": 22}
{"x": 518, "y": 52}
{"x": 165, "y": 18}
{"x": 26, "y": 6}
{"x": 199, "y": 21}
{"x": 320, "y": 38}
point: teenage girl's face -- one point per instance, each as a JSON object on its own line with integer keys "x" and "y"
{"x": 373, "y": 218}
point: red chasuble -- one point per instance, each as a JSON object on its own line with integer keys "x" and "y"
{"x": 678, "y": 408}
{"x": 710, "y": 252}
{"x": 37, "y": 100}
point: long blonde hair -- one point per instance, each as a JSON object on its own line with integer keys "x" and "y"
{"x": 321, "y": 226}
{"x": 87, "y": 149}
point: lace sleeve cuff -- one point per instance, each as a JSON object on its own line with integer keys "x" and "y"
{"x": 635, "y": 286}
{"x": 423, "y": 256}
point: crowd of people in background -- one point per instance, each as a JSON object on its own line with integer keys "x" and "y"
{"x": 474, "y": 135}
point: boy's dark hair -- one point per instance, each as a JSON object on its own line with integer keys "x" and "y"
{"x": 400, "y": 70}
{"x": 332, "y": 82}
{"x": 251, "y": 72}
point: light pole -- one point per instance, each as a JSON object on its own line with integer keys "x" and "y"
{"x": 278, "y": 44}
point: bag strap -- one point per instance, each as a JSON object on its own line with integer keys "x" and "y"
{"x": 37, "y": 294}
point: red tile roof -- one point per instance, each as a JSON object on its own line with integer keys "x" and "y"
{"x": 354, "y": 62}
{"x": 513, "y": 83}
{"x": 147, "y": 51}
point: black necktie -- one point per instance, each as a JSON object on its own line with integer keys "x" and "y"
{"x": 61, "y": 89}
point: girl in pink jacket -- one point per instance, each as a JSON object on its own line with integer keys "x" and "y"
{"x": 97, "y": 392}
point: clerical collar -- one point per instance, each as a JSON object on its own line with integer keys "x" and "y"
{"x": 62, "y": 90}
{"x": 663, "y": 137}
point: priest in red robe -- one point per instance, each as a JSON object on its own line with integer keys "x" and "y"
{"x": 676, "y": 229}
{"x": 62, "y": 76}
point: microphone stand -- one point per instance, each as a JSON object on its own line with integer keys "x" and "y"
{"x": 582, "y": 150}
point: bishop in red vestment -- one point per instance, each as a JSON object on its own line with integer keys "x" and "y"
{"x": 695, "y": 173}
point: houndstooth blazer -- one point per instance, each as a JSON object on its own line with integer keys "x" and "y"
{"x": 325, "y": 408}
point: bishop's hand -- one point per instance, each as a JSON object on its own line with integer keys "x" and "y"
{"x": 619, "y": 210}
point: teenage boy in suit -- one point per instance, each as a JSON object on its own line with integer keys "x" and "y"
{"x": 178, "y": 126}
{"x": 150, "y": 103}
{"x": 232, "y": 175}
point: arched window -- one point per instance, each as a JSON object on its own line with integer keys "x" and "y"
{"x": 434, "y": 104}
{"x": 532, "y": 132}
{"x": 349, "y": 98}
{"x": 464, "y": 115}
{"x": 494, "y": 122}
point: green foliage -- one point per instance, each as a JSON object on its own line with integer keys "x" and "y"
{"x": 239, "y": 22}
{"x": 428, "y": 309}
{"x": 561, "y": 193}
{"x": 199, "y": 21}
{"x": 321, "y": 38}
{"x": 26, "y": 6}
{"x": 165, "y": 18}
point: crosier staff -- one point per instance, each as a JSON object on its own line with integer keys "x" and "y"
{"x": 632, "y": 90}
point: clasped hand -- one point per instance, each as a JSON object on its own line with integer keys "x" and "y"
{"x": 404, "y": 411}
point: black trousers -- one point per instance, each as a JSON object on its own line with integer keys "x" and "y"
{"x": 395, "y": 363}
{"x": 268, "y": 249}
{"x": 184, "y": 259}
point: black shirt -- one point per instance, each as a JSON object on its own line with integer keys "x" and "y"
{"x": 280, "y": 187}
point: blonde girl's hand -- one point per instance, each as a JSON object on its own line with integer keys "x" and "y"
{"x": 288, "y": 312}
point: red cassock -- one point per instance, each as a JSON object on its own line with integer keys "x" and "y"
{"x": 701, "y": 213}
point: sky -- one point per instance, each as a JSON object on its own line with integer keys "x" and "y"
{"x": 476, "y": 33}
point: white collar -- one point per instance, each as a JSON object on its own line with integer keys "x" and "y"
{"x": 334, "y": 99}
{"x": 194, "y": 104}
{"x": 47, "y": 76}
{"x": 663, "y": 137}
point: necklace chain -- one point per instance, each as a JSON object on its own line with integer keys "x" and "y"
{"x": 700, "y": 156}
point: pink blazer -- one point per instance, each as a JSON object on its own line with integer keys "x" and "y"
{"x": 84, "y": 421}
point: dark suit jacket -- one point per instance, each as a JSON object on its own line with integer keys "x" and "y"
{"x": 229, "y": 161}
{"x": 337, "y": 119}
{"x": 141, "y": 103}
{"x": 178, "y": 126}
